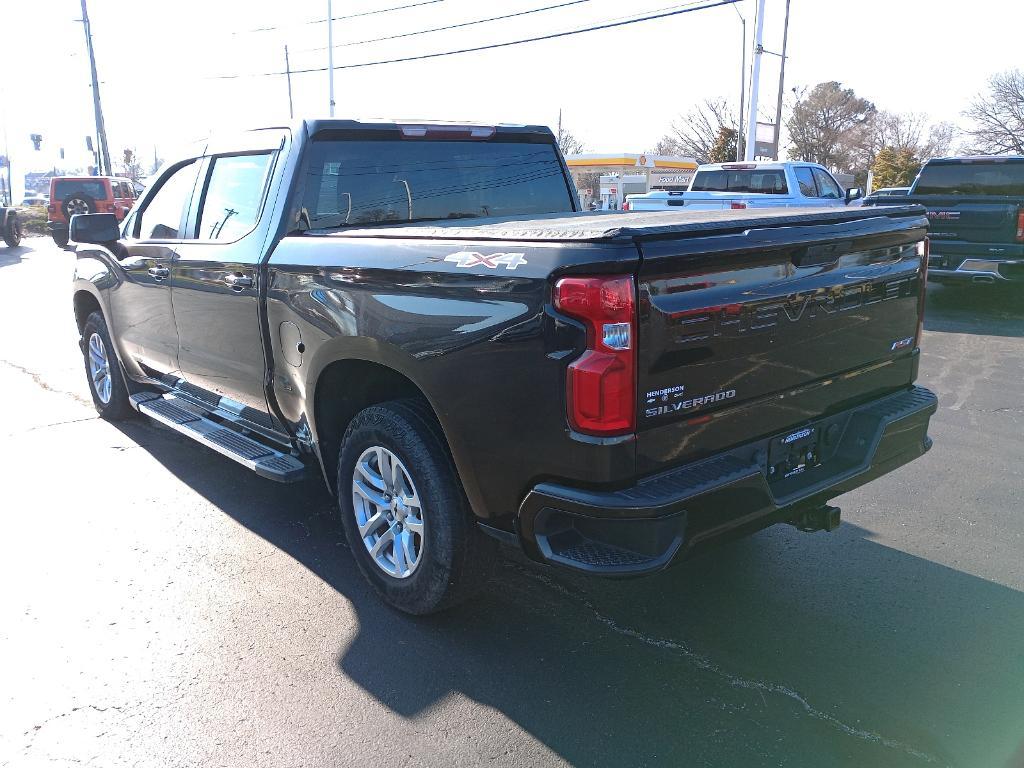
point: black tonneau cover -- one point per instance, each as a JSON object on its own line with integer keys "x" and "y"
{"x": 602, "y": 226}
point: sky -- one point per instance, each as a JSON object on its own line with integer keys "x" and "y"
{"x": 618, "y": 89}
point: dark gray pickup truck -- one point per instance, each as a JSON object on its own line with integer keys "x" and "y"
{"x": 975, "y": 206}
{"x": 422, "y": 314}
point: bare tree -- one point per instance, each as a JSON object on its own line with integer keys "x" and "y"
{"x": 696, "y": 133}
{"x": 568, "y": 143}
{"x": 998, "y": 116}
{"x": 827, "y": 126}
{"x": 901, "y": 132}
{"x": 940, "y": 141}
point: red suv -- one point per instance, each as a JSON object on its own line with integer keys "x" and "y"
{"x": 86, "y": 194}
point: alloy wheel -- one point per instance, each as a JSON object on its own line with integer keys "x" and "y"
{"x": 99, "y": 368}
{"x": 388, "y": 512}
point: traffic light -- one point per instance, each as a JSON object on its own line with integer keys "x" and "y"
{"x": 37, "y": 140}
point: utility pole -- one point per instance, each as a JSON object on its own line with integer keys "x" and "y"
{"x": 101, "y": 131}
{"x": 782, "y": 85}
{"x": 330, "y": 54}
{"x": 8, "y": 188}
{"x": 752, "y": 120}
{"x": 559, "y": 137}
{"x": 288, "y": 71}
{"x": 743, "y": 88}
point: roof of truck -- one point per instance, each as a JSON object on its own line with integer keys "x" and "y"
{"x": 597, "y": 226}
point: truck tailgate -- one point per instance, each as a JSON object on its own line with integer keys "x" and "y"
{"x": 979, "y": 220}
{"x": 734, "y": 327}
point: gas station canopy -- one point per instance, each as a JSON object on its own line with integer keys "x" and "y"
{"x": 662, "y": 170}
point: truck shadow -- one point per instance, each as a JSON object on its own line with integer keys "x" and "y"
{"x": 10, "y": 256}
{"x": 986, "y": 310}
{"x": 785, "y": 648}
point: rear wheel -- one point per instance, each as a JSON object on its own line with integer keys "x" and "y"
{"x": 12, "y": 231}
{"x": 106, "y": 381}
{"x": 404, "y": 512}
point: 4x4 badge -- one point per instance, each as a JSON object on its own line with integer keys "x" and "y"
{"x": 493, "y": 261}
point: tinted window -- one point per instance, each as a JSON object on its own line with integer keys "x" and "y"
{"x": 995, "y": 177}
{"x": 710, "y": 181}
{"x": 371, "y": 182}
{"x": 769, "y": 181}
{"x": 64, "y": 189}
{"x": 161, "y": 219}
{"x": 806, "y": 181}
{"x": 827, "y": 186}
{"x": 231, "y": 205}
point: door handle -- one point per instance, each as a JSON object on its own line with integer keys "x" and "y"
{"x": 237, "y": 281}
{"x": 159, "y": 272}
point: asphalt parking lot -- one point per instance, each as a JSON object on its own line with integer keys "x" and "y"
{"x": 161, "y": 606}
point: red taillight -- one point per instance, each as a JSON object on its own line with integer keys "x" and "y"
{"x": 601, "y": 384}
{"x": 1020, "y": 226}
{"x": 737, "y": 205}
{"x": 625, "y": 206}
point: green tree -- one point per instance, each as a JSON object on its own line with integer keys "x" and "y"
{"x": 724, "y": 148}
{"x": 895, "y": 167}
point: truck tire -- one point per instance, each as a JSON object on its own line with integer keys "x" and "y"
{"x": 60, "y": 239}
{"x": 103, "y": 371}
{"x": 404, "y": 512}
{"x": 12, "y": 230}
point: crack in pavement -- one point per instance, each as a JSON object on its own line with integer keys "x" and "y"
{"x": 38, "y": 380}
{"x": 703, "y": 663}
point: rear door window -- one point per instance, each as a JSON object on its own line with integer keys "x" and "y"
{"x": 360, "y": 182}
{"x": 827, "y": 187}
{"x": 234, "y": 194}
{"x": 805, "y": 179}
{"x": 990, "y": 177}
{"x": 162, "y": 217}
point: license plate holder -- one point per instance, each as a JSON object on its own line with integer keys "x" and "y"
{"x": 794, "y": 453}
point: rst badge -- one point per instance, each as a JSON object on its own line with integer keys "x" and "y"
{"x": 467, "y": 259}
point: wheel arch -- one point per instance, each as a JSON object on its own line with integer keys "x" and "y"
{"x": 345, "y": 387}
{"x": 85, "y": 303}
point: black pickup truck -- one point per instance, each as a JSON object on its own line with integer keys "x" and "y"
{"x": 423, "y": 314}
{"x": 976, "y": 209}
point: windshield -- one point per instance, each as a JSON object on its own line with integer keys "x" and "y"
{"x": 993, "y": 177}
{"x": 387, "y": 181}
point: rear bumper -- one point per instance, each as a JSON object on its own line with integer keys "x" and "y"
{"x": 57, "y": 227}
{"x": 643, "y": 528}
{"x": 975, "y": 262}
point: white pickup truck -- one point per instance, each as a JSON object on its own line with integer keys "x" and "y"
{"x": 751, "y": 185}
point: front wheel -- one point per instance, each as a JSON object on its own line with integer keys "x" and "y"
{"x": 404, "y": 512}
{"x": 106, "y": 382}
{"x": 12, "y": 231}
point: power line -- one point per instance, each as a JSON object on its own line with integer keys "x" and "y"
{"x": 342, "y": 18}
{"x": 450, "y": 26}
{"x": 554, "y": 35}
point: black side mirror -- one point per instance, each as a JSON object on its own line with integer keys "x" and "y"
{"x": 853, "y": 193}
{"x": 95, "y": 228}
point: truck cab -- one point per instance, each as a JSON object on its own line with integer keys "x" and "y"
{"x": 732, "y": 186}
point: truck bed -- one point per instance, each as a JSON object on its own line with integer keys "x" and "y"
{"x": 612, "y": 226}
